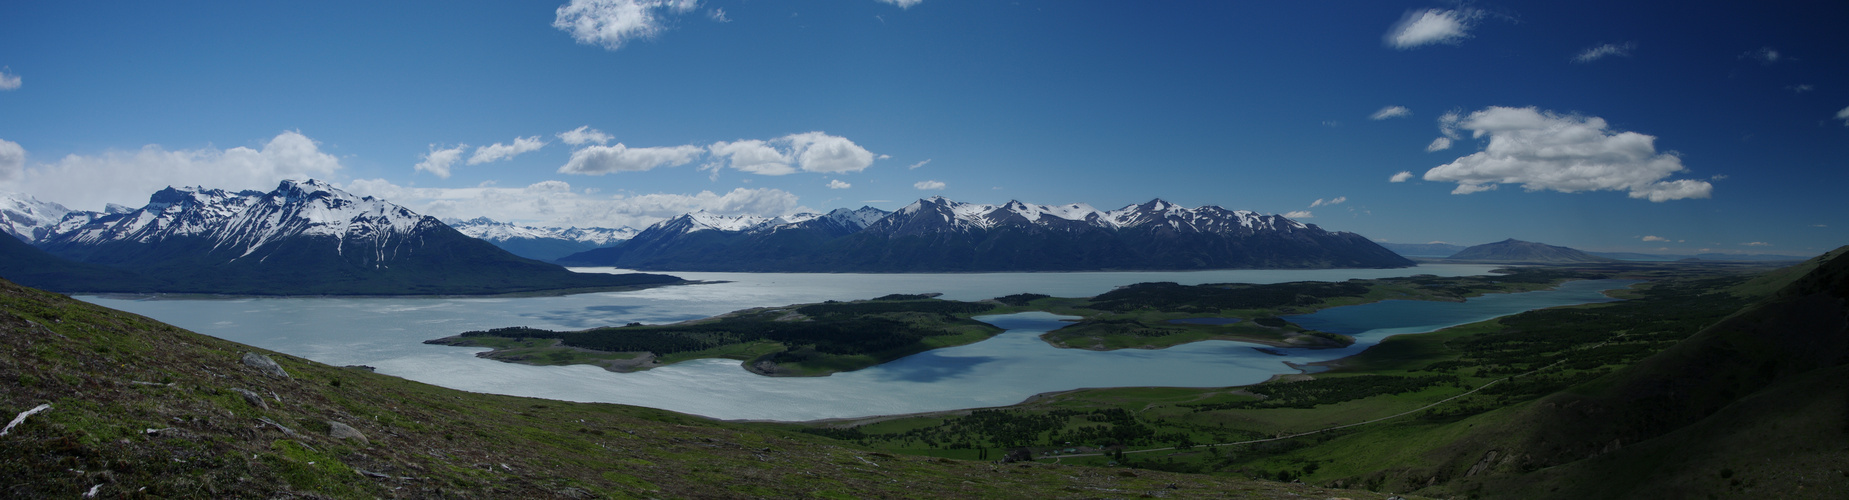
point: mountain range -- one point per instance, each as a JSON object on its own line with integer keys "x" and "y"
{"x": 940, "y": 235}
{"x": 305, "y": 237}
{"x": 541, "y": 243}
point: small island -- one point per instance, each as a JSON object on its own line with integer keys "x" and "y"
{"x": 823, "y": 338}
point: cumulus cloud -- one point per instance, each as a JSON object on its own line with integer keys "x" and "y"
{"x": 1602, "y": 51}
{"x": 915, "y": 166}
{"x": 1403, "y": 176}
{"x": 1567, "y": 153}
{"x": 1439, "y": 144}
{"x": 599, "y": 160}
{"x": 611, "y": 23}
{"x": 438, "y": 161}
{"x": 837, "y": 184}
{"x": 1419, "y": 28}
{"x": 584, "y": 135}
{"x": 1390, "y": 112}
{"x": 12, "y": 160}
{"x": 717, "y": 15}
{"x": 805, "y": 152}
{"x": 1844, "y": 116}
{"x": 1298, "y": 214}
{"x": 498, "y": 151}
{"x": 1333, "y": 201}
{"x": 929, "y": 185}
{"x": 557, "y": 203}
{"x": 1655, "y": 238}
{"x": 903, "y": 4}
{"x": 8, "y": 80}
{"x": 88, "y": 182}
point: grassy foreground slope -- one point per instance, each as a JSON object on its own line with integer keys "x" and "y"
{"x": 140, "y": 408}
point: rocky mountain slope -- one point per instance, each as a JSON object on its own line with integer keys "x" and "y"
{"x": 305, "y": 237}
{"x": 541, "y": 243}
{"x": 941, "y": 235}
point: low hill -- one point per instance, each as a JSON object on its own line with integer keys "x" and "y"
{"x": 1513, "y": 250}
{"x": 109, "y": 404}
{"x": 1423, "y": 249}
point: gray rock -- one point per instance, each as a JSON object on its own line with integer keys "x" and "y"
{"x": 339, "y": 430}
{"x": 252, "y": 398}
{"x": 264, "y": 364}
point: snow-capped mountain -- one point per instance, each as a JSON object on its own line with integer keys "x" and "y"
{"x": 303, "y": 237}
{"x": 542, "y": 243}
{"x": 27, "y": 218}
{"x": 937, "y": 234}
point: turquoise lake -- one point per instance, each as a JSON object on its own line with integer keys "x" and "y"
{"x": 387, "y": 333}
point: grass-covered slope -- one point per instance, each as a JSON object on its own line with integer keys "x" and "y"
{"x": 139, "y": 408}
{"x": 1757, "y": 404}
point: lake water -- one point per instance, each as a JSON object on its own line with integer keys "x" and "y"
{"x": 387, "y": 333}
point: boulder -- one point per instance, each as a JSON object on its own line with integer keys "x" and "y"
{"x": 252, "y": 398}
{"x": 339, "y": 430}
{"x": 264, "y": 364}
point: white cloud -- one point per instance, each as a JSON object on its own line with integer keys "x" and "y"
{"x": 556, "y": 203}
{"x": 805, "y": 152}
{"x": 1757, "y": 244}
{"x": 599, "y": 160}
{"x": 1767, "y": 55}
{"x": 717, "y": 15}
{"x": 1655, "y": 238}
{"x": 929, "y": 185}
{"x": 915, "y": 166}
{"x": 8, "y": 80}
{"x": 437, "y": 161}
{"x": 583, "y": 135}
{"x": 1844, "y": 116}
{"x": 1403, "y": 176}
{"x": 1800, "y": 88}
{"x": 837, "y": 184}
{"x": 12, "y": 160}
{"x": 1439, "y": 144}
{"x": 1298, "y": 214}
{"x": 1390, "y": 112}
{"x": 128, "y": 177}
{"x": 1425, "y": 27}
{"x": 1602, "y": 51}
{"x": 498, "y": 151}
{"x": 1544, "y": 150}
{"x": 611, "y": 23}
{"x": 903, "y": 4}
{"x": 1335, "y": 201}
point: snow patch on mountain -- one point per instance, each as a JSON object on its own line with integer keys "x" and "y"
{"x": 488, "y": 229}
{"x": 27, "y": 218}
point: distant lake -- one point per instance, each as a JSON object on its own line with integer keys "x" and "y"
{"x": 387, "y": 333}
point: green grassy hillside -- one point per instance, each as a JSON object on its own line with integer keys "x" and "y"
{"x": 142, "y": 409}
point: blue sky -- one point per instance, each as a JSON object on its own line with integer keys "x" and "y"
{"x": 1713, "y": 127}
